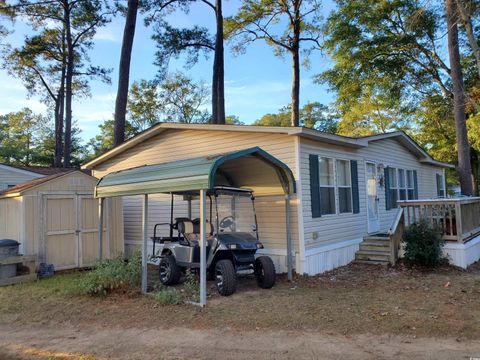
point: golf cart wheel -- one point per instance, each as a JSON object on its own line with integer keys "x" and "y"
{"x": 168, "y": 270}
{"x": 225, "y": 277}
{"x": 264, "y": 272}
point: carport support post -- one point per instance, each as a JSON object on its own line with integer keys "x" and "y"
{"x": 144, "y": 243}
{"x": 101, "y": 204}
{"x": 289, "y": 237}
{"x": 203, "y": 247}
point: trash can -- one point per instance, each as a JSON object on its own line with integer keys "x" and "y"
{"x": 8, "y": 248}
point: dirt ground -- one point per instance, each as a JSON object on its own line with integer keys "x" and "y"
{"x": 358, "y": 311}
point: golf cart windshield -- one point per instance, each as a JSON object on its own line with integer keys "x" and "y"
{"x": 235, "y": 212}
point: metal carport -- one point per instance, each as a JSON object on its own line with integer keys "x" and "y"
{"x": 253, "y": 168}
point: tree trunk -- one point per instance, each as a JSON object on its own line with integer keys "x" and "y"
{"x": 68, "y": 88}
{"x": 218, "y": 92}
{"x": 467, "y": 22}
{"x": 463, "y": 148}
{"x": 124, "y": 72}
{"x": 296, "y": 66}
{"x": 59, "y": 110}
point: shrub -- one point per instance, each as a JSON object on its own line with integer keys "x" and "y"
{"x": 168, "y": 296}
{"x": 423, "y": 244}
{"x": 111, "y": 275}
{"x": 191, "y": 288}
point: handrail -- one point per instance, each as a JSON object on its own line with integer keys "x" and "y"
{"x": 396, "y": 221}
{"x": 395, "y": 235}
{"x": 462, "y": 200}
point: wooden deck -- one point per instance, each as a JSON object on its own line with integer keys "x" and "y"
{"x": 457, "y": 218}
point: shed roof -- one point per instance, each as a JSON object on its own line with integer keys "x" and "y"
{"x": 187, "y": 175}
{"x": 20, "y": 188}
{"x": 312, "y": 134}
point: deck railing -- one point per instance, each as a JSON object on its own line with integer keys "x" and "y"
{"x": 457, "y": 218}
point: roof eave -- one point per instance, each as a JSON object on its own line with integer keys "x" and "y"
{"x": 437, "y": 163}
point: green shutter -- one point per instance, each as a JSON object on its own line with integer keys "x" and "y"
{"x": 314, "y": 186}
{"x": 355, "y": 196}
{"x": 388, "y": 199}
{"x": 415, "y": 185}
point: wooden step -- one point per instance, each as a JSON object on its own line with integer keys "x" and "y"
{"x": 375, "y": 247}
{"x": 372, "y": 255}
{"x": 372, "y": 262}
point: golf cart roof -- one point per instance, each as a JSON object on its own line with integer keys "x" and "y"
{"x": 250, "y": 170}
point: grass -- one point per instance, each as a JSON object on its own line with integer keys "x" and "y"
{"x": 351, "y": 300}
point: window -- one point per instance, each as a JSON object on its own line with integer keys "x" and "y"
{"x": 344, "y": 186}
{"x": 410, "y": 185}
{"x": 441, "y": 186}
{"x": 393, "y": 186}
{"x": 10, "y": 186}
{"x": 402, "y": 185}
{"x": 327, "y": 186}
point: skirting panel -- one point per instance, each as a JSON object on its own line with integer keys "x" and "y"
{"x": 328, "y": 257}
{"x": 463, "y": 255}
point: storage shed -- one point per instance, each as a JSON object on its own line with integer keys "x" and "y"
{"x": 55, "y": 218}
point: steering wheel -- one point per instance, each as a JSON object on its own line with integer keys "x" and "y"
{"x": 227, "y": 222}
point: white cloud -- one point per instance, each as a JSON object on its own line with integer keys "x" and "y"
{"x": 112, "y": 34}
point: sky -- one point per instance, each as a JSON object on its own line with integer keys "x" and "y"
{"x": 256, "y": 82}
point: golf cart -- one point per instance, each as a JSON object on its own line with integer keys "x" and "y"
{"x": 232, "y": 241}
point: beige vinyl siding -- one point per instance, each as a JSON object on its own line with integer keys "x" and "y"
{"x": 174, "y": 145}
{"x": 342, "y": 227}
{"x": 335, "y": 227}
{"x": 391, "y": 153}
{"x": 12, "y": 176}
{"x": 11, "y": 225}
{"x": 270, "y": 216}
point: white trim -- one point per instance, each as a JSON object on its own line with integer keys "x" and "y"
{"x": 22, "y": 239}
{"x": 21, "y": 171}
{"x": 301, "y": 227}
{"x": 333, "y": 246}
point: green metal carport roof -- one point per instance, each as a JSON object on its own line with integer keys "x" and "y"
{"x": 185, "y": 175}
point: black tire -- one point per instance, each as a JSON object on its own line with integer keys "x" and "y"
{"x": 168, "y": 271}
{"x": 225, "y": 277}
{"x": 265, "y": 272}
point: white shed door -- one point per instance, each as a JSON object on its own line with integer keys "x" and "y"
{"x": 61, "y": 245}
{"x": 88, "y": 231}
{"x": 71, "y": 231}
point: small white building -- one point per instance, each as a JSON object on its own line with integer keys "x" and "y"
{"x": 55, "y": 218}
{"x": 348, "y": 190}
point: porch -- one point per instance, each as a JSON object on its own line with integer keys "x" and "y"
{"x": 457, "y": 218}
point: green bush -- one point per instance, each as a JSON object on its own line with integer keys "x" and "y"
{"x": 110, "y": 275}
{"x": 168, "y": 296}
{"x": 423, "y": 244}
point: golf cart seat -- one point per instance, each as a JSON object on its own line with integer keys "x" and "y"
{"x": 190, "y": 230}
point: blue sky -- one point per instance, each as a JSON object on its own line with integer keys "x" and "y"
{"x": 256, "y": 82}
